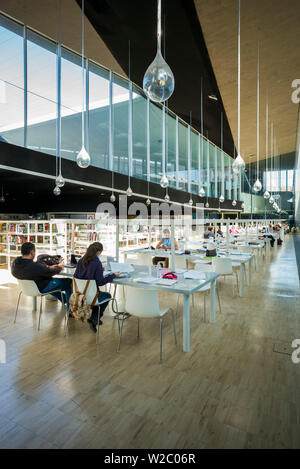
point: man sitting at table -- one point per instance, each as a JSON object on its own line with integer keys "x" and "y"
{"x": 24, "y": 268}
{"x": 164, "y": 243}
{"x": 208, "y": 233}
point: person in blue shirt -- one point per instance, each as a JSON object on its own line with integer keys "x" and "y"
{"x": 164, "y": 243}
{"x": 90, "y": 267}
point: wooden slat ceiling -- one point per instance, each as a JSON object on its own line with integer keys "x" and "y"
{"x": 275, "y": 25}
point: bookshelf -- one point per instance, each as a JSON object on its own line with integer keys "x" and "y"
{"x": 49, "y": 236}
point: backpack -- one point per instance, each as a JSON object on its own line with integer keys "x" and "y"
{"x": 49, "y": 260}
{"x": 79, "y": 308}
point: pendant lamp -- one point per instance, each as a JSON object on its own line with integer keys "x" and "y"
{"x": 200, "y": 145}
{"x": 267, "y": 193}
{"x": 60, "y": 182}
{"x": 130, "y": 137}
{"x": 164, "y": 180}
{"x": 222, "y": 198}
{"x": 2, "y": 198}
{"x": 239, "y": 164}
{"x": 83, "y": 159}
{"x": 158, "y": 83}
{"x": 257, "y": 186}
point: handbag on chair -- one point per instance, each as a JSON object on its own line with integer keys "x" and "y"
{"x": 79, "y": 309}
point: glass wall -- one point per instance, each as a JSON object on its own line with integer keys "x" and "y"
{"x": 11, "y": 82}
{"x": 29, "y": 94}
{"x": 42, "y": 94}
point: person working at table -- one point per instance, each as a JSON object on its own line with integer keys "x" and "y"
{"x": 24, "y": 268}
{"x": 164, "y": 243}
{"x": 208, "y": 233}
{"x": 89, "y": 267}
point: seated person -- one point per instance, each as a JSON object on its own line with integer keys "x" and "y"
{"x": 24, "y": 268}
{"x": 219, "y": 232}
{"x": 89, "y": 267}
{"x": 164, "y": 243}
{"x": 208, "y": 233}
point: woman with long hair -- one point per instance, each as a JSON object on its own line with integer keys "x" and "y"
{"x": 89, "y": 267}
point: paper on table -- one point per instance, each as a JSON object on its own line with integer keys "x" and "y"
{"x": 194, "y": 275}
{"x": 121, "y": 267}
{"x": 180, "y": 271}
{"x": 150, "y": 280}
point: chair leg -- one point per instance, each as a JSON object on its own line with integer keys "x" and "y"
{"x": 204, "y": 307}
{"x": 161, "y": 330}
{"x": 98, "y": 327}
{"x": 233, "y": 289}
{"x": 217, "y": 291}
{"x": 121, "y": 331}
{"x": 138, "y": 327}
{"x": 17, "y": 307}
{"x": 41, "y": 310}
{"x": 177, "y": 305}
{"x": 237, "y": 282}
{"x": 174, "y": 326}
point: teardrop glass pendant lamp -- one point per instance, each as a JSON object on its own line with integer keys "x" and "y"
{"x": 59, "y": 182}
{"x": 221, "y": 199}
{"x": 202, "y": 192}
{"x": 83, "y": 158}
{"x": 257, "y": 186}
{"x": 159, "y": 82}
{"x": 238, "y": 164}
{"x": 112, "y": 197}
{"x": 164, "y": 180}
{"x": 267, "y": 193}
{"x": 2, "y": 198}
{"x": 56, "y": 190}
{"x": 234, "y": 203}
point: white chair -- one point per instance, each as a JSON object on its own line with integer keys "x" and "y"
{"x": 144, "y": 303}
{"x": 224, "y": 267}
{"x": 29, "y": 288}
{"x": 90, "y": 294}
{"x": 180, "y": 262}
{"x": 206, "y": 288}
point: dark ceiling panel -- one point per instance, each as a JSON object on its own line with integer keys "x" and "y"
{"x": 117, "y": 21}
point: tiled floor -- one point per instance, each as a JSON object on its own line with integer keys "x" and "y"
{"x": 231, "y": 391}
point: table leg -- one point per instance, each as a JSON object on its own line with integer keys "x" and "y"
{"x": 186, "y": 323}
{"x": 250, "y": 272}
{"x": 213, "y": 301}
{"x": 257, "y": 261}
{"x": 34, "y": 303}
{"x": 242, "y": 293}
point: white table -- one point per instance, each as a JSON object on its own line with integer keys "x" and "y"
{"x": 243, "y": 259}
{"x": 183, "y": 287}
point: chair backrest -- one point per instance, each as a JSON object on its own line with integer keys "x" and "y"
{"x": 143, "y": 259}
{"x": 222, "y": 266}
{"x": 246, "y": 249}
{"x": 29, "y": 287}
{"x": 203, "y": 267}
{"x": 91, "y": 290}
{"x": 180, "y": 262}
{"x": 141, "y": 302}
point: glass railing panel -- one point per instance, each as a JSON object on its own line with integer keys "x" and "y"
{"x": 120, "y": 117}
{"x": 139, "y": 106}
{"x": 99, "y": 116}
{"x": 171, "y": 149}
{"x": 183, "y": 152}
